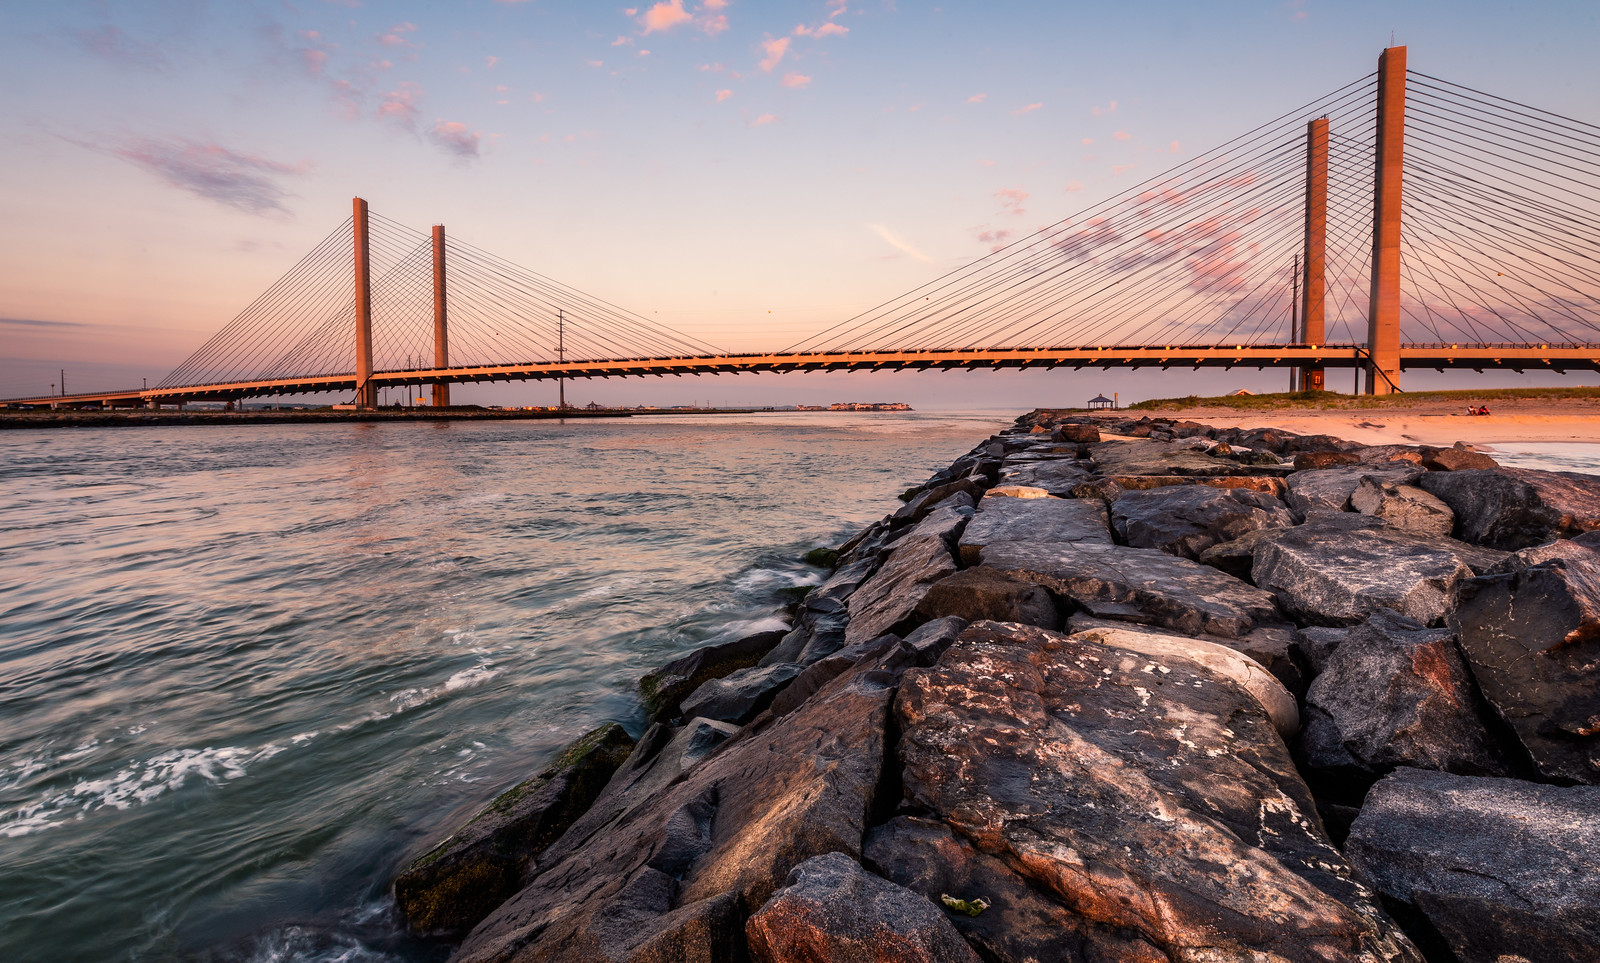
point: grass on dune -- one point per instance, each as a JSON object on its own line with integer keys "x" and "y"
{"x": 1334, "y": 400}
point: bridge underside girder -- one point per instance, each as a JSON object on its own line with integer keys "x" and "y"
{"x": 1477, "y": 357}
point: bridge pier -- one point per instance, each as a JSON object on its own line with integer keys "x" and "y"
{"x": 1314, "y": 291}
{"x": 1383, "y": 313}
{"x": 366, "y": 392}
{"x": 441, "y": 340}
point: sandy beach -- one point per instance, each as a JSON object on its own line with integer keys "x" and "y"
{"x": 1422, "y": 423}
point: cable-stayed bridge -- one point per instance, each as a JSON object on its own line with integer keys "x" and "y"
{"x": 1399, "y": 222}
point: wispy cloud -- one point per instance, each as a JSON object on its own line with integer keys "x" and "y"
{"x": 996, "y": 239}
{"x": 1122, "y": 135}
{"x": 1110, "y": 108}
{"x": 1072, "y": 186}
{"x": 402, "y": 104}
{"x": 898, "y": 244}
{"x": 976, "y": 98}
{"x": 1011, "y": 199}
{"x": 35, "y": 323}
{"x": 246, "y": 182}
{"x": 795, "y": 80}
{"x": 829, "y": 29}
{"x": 113, "y": 45}
{"x": 453, "y": 137}
{"x": 395, "y": 36}
{"x": 723, "y": 95}
{"x": 774, "y": 50}
{"x": 764, "y": 119}
{"x": 1026, "y": 110}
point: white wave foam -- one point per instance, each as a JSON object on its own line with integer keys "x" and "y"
{"x": 458, "y": 682}
{"x": 136, "y": 784}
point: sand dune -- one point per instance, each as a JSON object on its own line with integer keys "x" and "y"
{"x": 1424, "y": 423}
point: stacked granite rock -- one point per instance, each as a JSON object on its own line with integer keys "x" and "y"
{"x": 1104, "y": 690}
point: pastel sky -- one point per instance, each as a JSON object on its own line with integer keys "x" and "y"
{"x": 748, "y": 173}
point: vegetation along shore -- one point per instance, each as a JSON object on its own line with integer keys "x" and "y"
{"x": 1121, "y": 687}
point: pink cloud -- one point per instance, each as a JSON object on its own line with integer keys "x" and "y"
{"x": 774, "y": 49}
{"x": 764, "y": 119}
{"x": 1172, "y": 148}
{"x": 1072, "y": 186}
{"x": 1110, "y": 108}
{"x": 1087, "y": 141}
{"x": 976, "y": 98}
{"x": 314, "y": 60}
{"x": 453, "y": 137}
{"x": 986, "y": 163}
{"x": 1011, "y": 199}
{"x": 836, "y": 7}
{"x": 114, "y": 45}
{"x": 713, "y": 24}
{"x": 795, "y": 80}
{"x": 1122, "y": 135}
{"x": 1026, "y": 110}
{"x": 246, "y": 182}
{"x": 715, "y": 4}
{"x": 622, "y": 42}
{"x": 396, "y": 35}
{"x": 665, "y": 16}
{"x": 830, "y": 29}
{"x": 400, "y": 104}
{"x": 490, "y": 61}
{"x": 996, "y": 239}
{"x": 723, "y": 95}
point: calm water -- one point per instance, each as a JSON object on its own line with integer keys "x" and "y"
{"x": 245, "y": 671}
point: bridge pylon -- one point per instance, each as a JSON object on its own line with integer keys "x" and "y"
{"x": 441, "y": 332}
{"x": 366, "y": 391}
{"x": 1383, "y": 313}
{"x": 1314, "y": 292}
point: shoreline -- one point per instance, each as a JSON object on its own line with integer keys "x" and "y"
{"x": 1100, "y": 663}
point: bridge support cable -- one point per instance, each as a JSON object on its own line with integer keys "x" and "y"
{"x": 1503, "y": 237}
{"x": 1201, "y": 253}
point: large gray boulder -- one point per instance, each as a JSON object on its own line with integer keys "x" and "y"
{"x": 1512, "y": 508}
{"x": 1161, "y": 458}
{"x": 1501, "y": 870}
{"x": 1058, "y": 476}
{"x": 1329, "y": 489}
{"x": 1323, "y": 575}
{"x": 833, "y": 911}
{"x": 1066, "y": 521}
{"x": 1139, "y": 584}
{"x": 887, "y": 602}
{"x": 664, "y": 688}
{"x": 1532, "y": 639}
{"x": 1271, "y": 646}
{"x": 1188, "y": 519}
{"x": 983, "y": 593}
{"x": 1396, "y": 694}
{"x": 739, "y": 696}
{"x": 448, "y": 889}
{"x": 1405, "y": 507}
{"x": 1148, "y": 796}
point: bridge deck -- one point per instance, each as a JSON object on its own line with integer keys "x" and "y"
{"x": 1517, "y": 357}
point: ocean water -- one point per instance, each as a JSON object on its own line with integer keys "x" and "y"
{"x": 1548, "y": 456}
{"x": 245, "y": 672}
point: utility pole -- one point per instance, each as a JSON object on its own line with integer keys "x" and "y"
{"x": 63, "y": 382}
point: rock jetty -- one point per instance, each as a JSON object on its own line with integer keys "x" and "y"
{"x": 1103, "y": 690}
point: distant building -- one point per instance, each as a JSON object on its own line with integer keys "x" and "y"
{"x": 869, "y": 406}
{"x": 1101, "y": 401}
{"x": 1242, "y": 392}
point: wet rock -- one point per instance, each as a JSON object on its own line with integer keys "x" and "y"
{"x": 1056, "y": 477}
{"x": 1329, "y": 489}
{"x": 1324, "y": 576}
{"x": 888, "y": 601}
{"x": 1539, "y": 554}
{"x": 1273, "y": 647}
{"x": 1186, "y": 520}
{"x": 833, "y": 911}
{"x": 1150, "y": 796}
{"x": 1317, "y": 460}
{"x": 662, "y": 689}
{"x": 983, "y": 593}
{"x": 1235, "y": 557}
{"x": 1153, "y": 586}
{"x": 726, "y": 833}
{"x": 1081, "y": 434}
{"x": 1532, "y": 640}
{"x": 931, "y": 638}
{"x": 1245, "y": 672}
{"x": 1394, "y": 693}
{"x": 1160, "y": 458}
{"x": 963, "y": 492}
{"x": 447, "y": 890}
{"x": 1455, "y": 459}
{"x": 1405, "y": 507}
{"x": 1512, "y": 508}
{"x": 1500, "y": 870}
{"x": 1060, "y": 521}
{"x": 738, "y": 697}
{"x": 1022, "y": 924}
